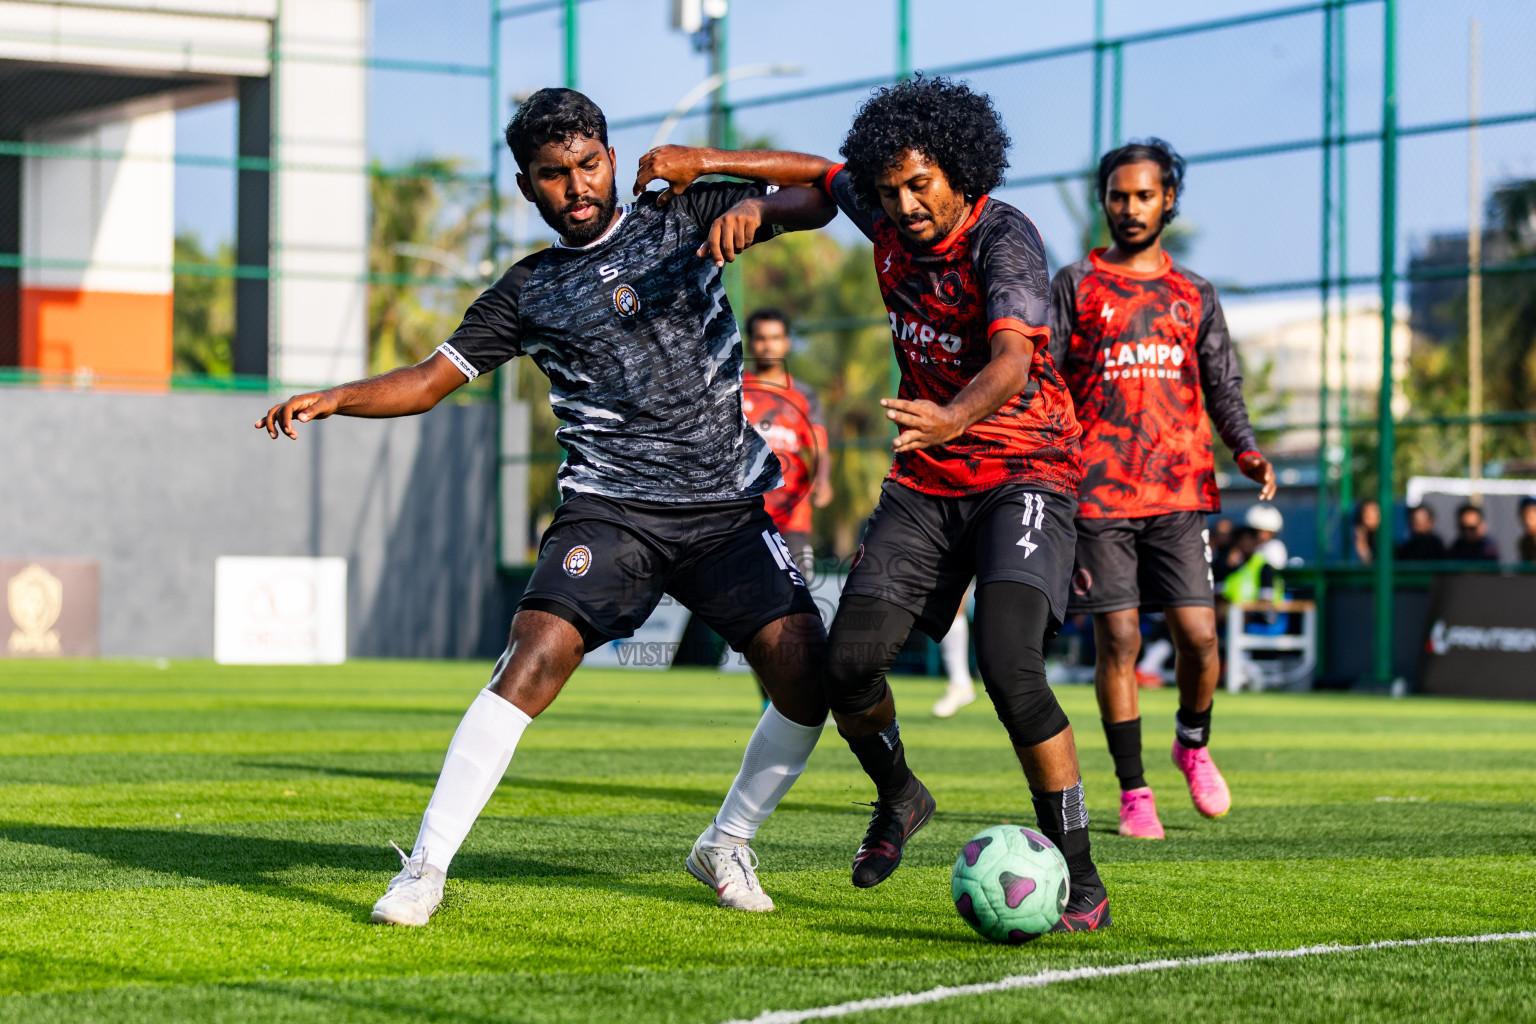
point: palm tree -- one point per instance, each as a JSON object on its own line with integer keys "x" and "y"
{"x": 417, "y": 214}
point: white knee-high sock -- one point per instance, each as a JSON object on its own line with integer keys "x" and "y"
{"x": 775, "y": 757}
{"x": 956, "y": 646}
{"x": 477, "y": 759}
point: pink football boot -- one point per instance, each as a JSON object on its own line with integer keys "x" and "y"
{"x": 1206, "y": 786}
{"x": 1138, "y": 814}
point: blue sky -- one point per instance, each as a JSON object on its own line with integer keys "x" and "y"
{"x": 1255, "y": 220}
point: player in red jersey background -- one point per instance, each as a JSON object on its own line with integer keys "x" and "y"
{"x": 787, "y": 413}
{"x": 1145, "y": 351}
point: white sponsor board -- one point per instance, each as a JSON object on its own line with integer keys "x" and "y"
{"x": 654, "y": 644}
{"x": 280, "y": 611}
{"x": 826, "y": 590}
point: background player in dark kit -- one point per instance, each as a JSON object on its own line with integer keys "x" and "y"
{"x": 662, "y": 483}
{"x": 985, "y": 477}
{"x": 1139, "y": 340}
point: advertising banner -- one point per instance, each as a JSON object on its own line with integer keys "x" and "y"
{"x": 280, "y": 611}
{"x": 1481, "y": 637}
{"x": 51, "y": 608}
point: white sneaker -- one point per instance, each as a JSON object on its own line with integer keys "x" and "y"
{"x": 955, "y": 697}
{"x": 732, "y": 872}
{"x": 413, "y": 895}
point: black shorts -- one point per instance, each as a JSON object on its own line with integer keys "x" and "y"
{"x": 604, "y": 565}
{"x": 922, "y": 550}
{"x": 799, "y": 544}
{"x": 1152, "y": 561}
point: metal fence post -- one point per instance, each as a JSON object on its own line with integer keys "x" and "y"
{"x": 1386, "y": 441}
{"x": 1324, "y": 459}
{"x": 572, "y": 64}
{"x": 1341, "y": 121}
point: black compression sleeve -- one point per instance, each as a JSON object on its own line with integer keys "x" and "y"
{"x": 1011, "y": 621}
{"x": 1221, "y": 379}
{"x": 865, "y": 638}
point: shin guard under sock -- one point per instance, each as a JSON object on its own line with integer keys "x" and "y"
{"x": 884, "y": 760}
{"x": 1125, "y": 748}
{"x": 1063, "y": 819}
{"x": 1193, "y": 727}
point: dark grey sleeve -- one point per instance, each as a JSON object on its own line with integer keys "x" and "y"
{"x": 491, "y": 333}
{"x": 1063, "y": 314}
{"x": 704, "y": 203}
{"x": 1220, "y": 377}
{"x": 839, "y": 186}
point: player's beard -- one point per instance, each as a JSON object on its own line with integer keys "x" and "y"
{"x": 581, "y": 232}
{"x": 1129, "y": 246}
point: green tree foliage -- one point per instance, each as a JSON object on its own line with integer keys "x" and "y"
{"x": 845, "y": 354}
{"x": 422, "y": 224}
{"x": 1437, "y": 376}
{"x": 203, "y": 309}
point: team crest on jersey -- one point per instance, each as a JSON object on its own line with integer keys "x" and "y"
{"x": 949, "y": 288}
{"x": 578, "y": 560}
{"x": 1183, "y": 313}
{"x": 626, "y": 300}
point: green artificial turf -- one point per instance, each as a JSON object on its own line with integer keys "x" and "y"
{"x": 203, "y": 843}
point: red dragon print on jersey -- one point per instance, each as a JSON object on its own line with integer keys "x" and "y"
{"x": 943, "y": 305}
{"x": 1138, "y": 351}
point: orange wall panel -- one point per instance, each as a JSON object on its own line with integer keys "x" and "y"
{"x": 113, "y": 334}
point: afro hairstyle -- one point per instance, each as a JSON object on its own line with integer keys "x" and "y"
{"x": 946, "y": 121}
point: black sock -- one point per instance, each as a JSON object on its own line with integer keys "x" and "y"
{"x": 1193, "y": 727}
{"x": 884, "y": 760}
{"x": 1063, "y": 819}
{"x": 1125, "y": 747}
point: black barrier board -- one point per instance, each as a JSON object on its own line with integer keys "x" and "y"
{"x": 1480, "y": 638}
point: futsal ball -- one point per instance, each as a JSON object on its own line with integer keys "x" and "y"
{"x": 1010, "y": 884}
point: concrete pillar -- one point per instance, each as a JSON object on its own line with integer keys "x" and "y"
{"x": 320, "y": 216}
{"x": 253, "y": 229}
{"x": 99, "y": 301}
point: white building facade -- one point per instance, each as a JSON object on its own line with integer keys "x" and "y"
{"x": 88, "y": 94}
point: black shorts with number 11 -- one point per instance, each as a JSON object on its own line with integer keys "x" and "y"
{"x": 921, "y": 550}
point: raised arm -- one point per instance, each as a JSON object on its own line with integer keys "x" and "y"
{"x": 403, "y": 392}
{"x": 797, "y": 208}
{"x": 681, "y": 166}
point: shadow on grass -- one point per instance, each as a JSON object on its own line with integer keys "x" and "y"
{"x": 258, "y": 865}
{"x": 693, "y": 797}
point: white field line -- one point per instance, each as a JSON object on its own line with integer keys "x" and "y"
{"x": 1044, "y": 978}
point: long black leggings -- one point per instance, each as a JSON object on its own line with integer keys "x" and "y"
{"x": 1011, "y": 621}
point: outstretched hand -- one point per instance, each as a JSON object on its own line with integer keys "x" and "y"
{"x": 1257, "y": 468}
{"x": 316, "y": 405}
{"x": 924, "y": 423}
{"x": 678, "y": 166}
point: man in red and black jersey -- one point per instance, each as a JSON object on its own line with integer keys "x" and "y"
{"x": 787, "y": 413}
{"x": 1141, "y": 341}
{"x": 984, "y": 482}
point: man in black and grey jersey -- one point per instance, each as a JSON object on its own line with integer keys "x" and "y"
{"x": 662, "y": 483}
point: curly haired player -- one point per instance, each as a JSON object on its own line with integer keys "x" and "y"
{"x": 984, "y": 481}
{"x": 1139, "y": 340}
